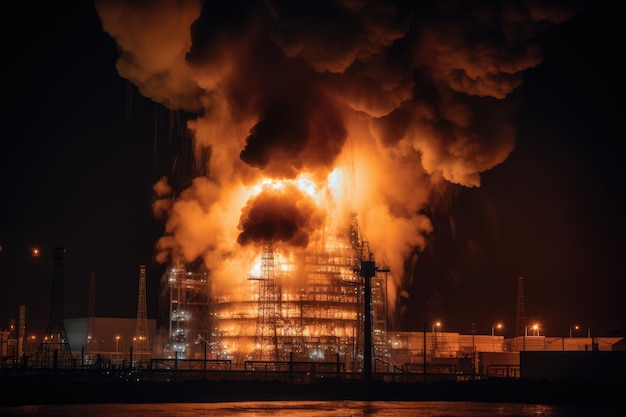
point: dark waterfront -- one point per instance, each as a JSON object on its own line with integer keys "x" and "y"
{"x": 34, "y": 391}
{"x": 311, "y": 409}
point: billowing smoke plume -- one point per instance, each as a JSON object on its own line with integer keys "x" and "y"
{"x": 375, "y": 102}
{"x": 287, "y": 215}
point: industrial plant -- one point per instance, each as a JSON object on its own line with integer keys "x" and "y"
{"x": 270, "y": 315}
{"x": 307, "y": 316}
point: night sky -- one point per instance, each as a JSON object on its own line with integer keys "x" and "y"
{"x": 82, "y": 149}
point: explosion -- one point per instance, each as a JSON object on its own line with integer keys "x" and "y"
{"x": 313, "y": 110}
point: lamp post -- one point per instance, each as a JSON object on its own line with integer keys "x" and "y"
{"x": 493, "y": 334}
{"x": 473, "y": 331}
{"x": 575, "y": 327}
{"x": 436, "y": 324}
{"x": 425, "y": 327}
{"x": 535, "y": 329}
{"x": 117, "y": 344}
{"x": 205, "y": 346}
{"x": 353, "y": 347}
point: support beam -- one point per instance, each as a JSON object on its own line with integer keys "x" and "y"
{"x": 367, "y": 271}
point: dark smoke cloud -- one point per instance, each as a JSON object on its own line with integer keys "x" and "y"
{"x": 401, "y": 97}
{"x": 290, "y": 71}
{"x": 279, "y": 215}
{"x": 295, "y": 135}
{"x": 331, "y": 35}
{"x": 298, "y": 127}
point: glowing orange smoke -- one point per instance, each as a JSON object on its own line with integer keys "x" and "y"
{"x": 377, "y": 105}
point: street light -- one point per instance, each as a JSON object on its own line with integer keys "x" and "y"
{"x": 575, "y": 327}
{"x": 535, "y": 329}
{"x": 493, "y": 333}
{"x": 32, "y": 339}
{"x": 473, "y": 332}
{"x": 438, "y": 325}
{"x": 117, "y": 343}
{"x": 205, "y": 344}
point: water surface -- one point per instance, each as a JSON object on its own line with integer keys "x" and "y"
{"x": 309, "y": 409}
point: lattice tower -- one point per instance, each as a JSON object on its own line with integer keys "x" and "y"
{"x": 266, "y": 332}
{"x": 520, "y": 324}
{"x": 91, "y": 315}
{"x": 141, "y": 345}
{"x": 54, "y": 350}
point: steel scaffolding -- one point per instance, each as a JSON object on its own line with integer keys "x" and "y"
{"x": 141, "y": 342}
{"x": 54, "y": 350}
{"x": 189, "y": 314}
{"x": 266, "y": 336}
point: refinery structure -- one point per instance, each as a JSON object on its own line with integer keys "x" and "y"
{"x": 269, "y": 315}
{"x": 278, "y": 303}
{"x": 286, "y": 239}
{"x": 269, "y": 327}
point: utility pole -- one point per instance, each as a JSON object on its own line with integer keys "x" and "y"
{"x": 473, "y": 331}
{"x": 141, "y": 344}
{"x": 205, "y": 345}
{"x": 520, "y": 324}
{"x": 425, "y": 352}
{"x": 91, "y": 314}
{"x": 368, "y": 270}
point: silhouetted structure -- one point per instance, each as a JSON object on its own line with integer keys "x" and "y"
{"x": 141, "y": 345}
{"x": 367, "y": 271}
{"x": 91, "y": 315}
{"x": 520, "y": 324}
{"x": 266, "y": 337}
{"x": 54, "y": 350}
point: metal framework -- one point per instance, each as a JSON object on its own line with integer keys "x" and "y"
{"x": 266, "y": 336}
{"x": 189, "y": 314}
{"x": 91, "y": 316}
{"x": 310, "y": 308}
{"x": 520, "y": 324}
{"x": 54, "y": 350}
{"x": 141, "y": 343}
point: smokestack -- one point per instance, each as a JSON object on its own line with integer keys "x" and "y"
{"x": 520, "y": 323}
{"x": 21, "y": 331}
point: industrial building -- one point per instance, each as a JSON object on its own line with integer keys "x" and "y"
{"x": 266, "y": 317}
{"x": 269, "y": 318}
{"x": 110, "y": 340}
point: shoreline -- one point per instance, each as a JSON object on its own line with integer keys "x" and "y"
{"x": 30, "y": 390}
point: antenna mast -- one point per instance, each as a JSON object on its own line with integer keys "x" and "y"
{"x": 141, "y": 345}
{"x": 520, "y": 324}
{"x": 54, "y": 350}
{"x": 91, "y": 315}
